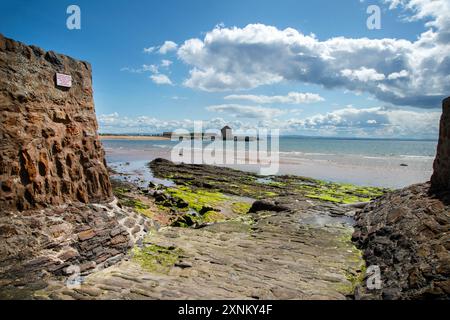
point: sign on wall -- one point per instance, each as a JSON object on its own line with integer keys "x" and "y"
{"x": 63, "y": 80}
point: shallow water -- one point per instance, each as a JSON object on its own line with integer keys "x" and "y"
{"x": 383, "y": 163}
{"x": 322, "y": 220}
{"x": 137, "y": 172}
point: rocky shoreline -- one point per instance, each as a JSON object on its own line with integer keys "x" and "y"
{"x": 406, "y": 233}
{"x": 222, "y": 235}
{"x": 245, "y": 228}
{"x": 68, "y": 231}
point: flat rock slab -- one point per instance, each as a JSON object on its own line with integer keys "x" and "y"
{"x": 278, "y": 255}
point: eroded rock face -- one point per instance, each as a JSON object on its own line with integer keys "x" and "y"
{"x": 441, "y": 177}
{"x": 52, "y": 170}
{"x": 50, "y": 151}
{"x": 405, "y": 234}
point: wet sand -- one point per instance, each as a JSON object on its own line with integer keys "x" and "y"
{"x": 379, "y": 172}
{"x": 134, "y": 138}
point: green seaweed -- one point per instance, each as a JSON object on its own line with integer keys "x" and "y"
{"x": 340, "y": 193}
{"x": 355, "y": 275}
{"x": 120, "y": 192}
{"x": 270, "y": 194}
{"x": 212, "y": 217}
{"x": 197, "y": 199}
{"x": 134, "y": 203}
{"x": 240, "y": 207}
{"x": 156, "y": 258}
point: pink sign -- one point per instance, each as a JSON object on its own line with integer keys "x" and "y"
{"x": 63, "y": 80}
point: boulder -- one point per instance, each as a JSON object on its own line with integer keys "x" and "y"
{"x": 266, "y": 205}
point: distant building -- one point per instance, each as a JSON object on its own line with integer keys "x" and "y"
{"x": 167, "y": 134}
{"x": 227, "y": 133}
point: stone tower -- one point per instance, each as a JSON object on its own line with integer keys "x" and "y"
{"x": 440, "y": 181}
{"x": 227, "y": 133}
{"x": 50, "y": 152}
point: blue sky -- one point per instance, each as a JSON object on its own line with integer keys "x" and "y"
{"x": 244, "y": 72}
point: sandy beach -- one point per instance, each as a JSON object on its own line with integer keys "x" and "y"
{"x": 133, "y": 138}
{"x": 379, "y": 172}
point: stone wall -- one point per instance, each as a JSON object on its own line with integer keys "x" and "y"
{"x": 50, "y": 153}
{"x": 52, "y": 169}
{"x": 441, "y": 177}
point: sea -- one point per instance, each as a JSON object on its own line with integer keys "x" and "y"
{"x": 391, "y": 163}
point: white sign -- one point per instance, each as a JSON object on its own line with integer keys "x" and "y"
{"x": 63, "y": 80}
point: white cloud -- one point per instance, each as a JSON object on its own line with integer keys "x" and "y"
{"x": 167, "y": 47}
{"x": 114, "y": 123}
{"x": 363, "y": 74}
{"x": 166, "y": 63}
{"x": 178, "y": 98}
{"x": 161, "y": 79}
{"x": 434, "y": 12}
{"x": 144, "y": 68}
{"x": 397, "y": 71}
{"x": 398, "y": 75}
{"x": 150, "y": 49}
{"x": 241, "y": 111}
{"x": 290, "y": 98}
{"x": 156, "y": 76}
{"x": 374, "y": 122}
{"x": 152, "y": 68}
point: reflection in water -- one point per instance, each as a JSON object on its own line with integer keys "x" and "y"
{"x": 137, "y": 172}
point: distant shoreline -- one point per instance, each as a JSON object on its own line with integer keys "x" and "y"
{"x": 126, "y": 137}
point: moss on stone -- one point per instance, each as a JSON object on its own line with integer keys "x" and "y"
{"x": 240, "y": 207}
{"x": 197, "y": 199}
{"x": 134, "y": 203}
{"x": 156, "y": 258}
{"x": 270, "y": 194}
{"x": 340, "y": 193}
{"x": 212, "y": 217}
{"x": 120, "y": 192}
{"x": 357, "y": 266}
{"x": 146, "y": 212}
{"x": 277, "y": 184}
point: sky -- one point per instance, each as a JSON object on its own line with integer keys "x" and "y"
{"x": 305, "y": 67}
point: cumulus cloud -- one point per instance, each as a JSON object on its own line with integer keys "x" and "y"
{"x": 435, "y": 12}
{"x": 374, "y": 122}
{"x": 350, "y": 121}
{"x": 166, "y": 63}
{"x": 290, "y": 98}
{"x": 397, "y": 71}
{"x": 161, "y": 79}
{"x": 156, "y": 76}
{"x": 166, "y": 47}
{"x": 115, "y": 123}
{"x": 363, "y": 75}
{"x": 241, "y": 111}
{"x": 150, "y": 49}
{"x": 398, "y": 75}
{"x": 144, "y": 68}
